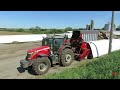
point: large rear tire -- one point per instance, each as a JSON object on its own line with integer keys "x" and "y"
{"x": 90, "y": 56}
{"x": 41, "y": 65}
{"x": 66, "y": 57}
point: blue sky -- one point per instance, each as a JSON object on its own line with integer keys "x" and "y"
{"x": 55, "y": 19}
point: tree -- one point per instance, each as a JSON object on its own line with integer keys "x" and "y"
{"x": 37, "y": 28}
{"x": 92, "y": 24}
{"x": 81, "y": 29}
{"x": 68, "y": 29}
{"x": 118, "y": 28}
{"x": 32, "y": 30}
{"x": 20, "y": 30}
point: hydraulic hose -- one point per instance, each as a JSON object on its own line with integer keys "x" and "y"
{"x": 96, "y": 48}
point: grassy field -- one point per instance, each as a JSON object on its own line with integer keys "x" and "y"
{"x": 118, "y": 36}
{"x": 12, "y": 33}
{"x": 105, "y": 67}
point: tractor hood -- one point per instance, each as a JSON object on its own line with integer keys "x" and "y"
{"x": 39, "y": 49}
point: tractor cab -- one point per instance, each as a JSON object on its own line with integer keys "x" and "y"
{"x": 76, "y": 34}
{"x": 76, "y": 39}
{"x": 54, "y": 42}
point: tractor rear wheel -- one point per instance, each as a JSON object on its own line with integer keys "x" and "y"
{"x": 41, "y": 65}
{"x": 90, "y": 56}
{"x": 66, "y": 57}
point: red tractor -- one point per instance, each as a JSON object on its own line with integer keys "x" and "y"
{"x": 57, "y": 50}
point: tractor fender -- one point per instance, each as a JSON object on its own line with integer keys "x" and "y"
{"x": 63, "y": 47}
{"x": 44, "y": 55}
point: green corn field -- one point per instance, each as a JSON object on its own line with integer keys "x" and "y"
{"x": 105, "y": 67}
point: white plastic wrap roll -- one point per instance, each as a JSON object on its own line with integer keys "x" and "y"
{"x": 101, "y": 47}
{"x": 21, "y": 38}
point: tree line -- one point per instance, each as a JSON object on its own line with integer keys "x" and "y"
{"x": 38, "y": 30}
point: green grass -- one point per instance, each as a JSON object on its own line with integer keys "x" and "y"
{"x": 101, "y": 68}
{"x": 118, "y": 36}
{"x": 12, "y": 33}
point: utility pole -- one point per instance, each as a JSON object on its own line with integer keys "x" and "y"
{"x": 111, "y": 32}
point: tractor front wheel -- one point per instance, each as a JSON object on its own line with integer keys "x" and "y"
{"x": 41, "y": 65}
{"x": 67, "y": 57}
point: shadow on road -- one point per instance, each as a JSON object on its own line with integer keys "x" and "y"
{"x": 29, "y": 70}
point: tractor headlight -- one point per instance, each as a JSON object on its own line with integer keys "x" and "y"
{"x": 34, "y": 53}
{"x": 30, "y": 55}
